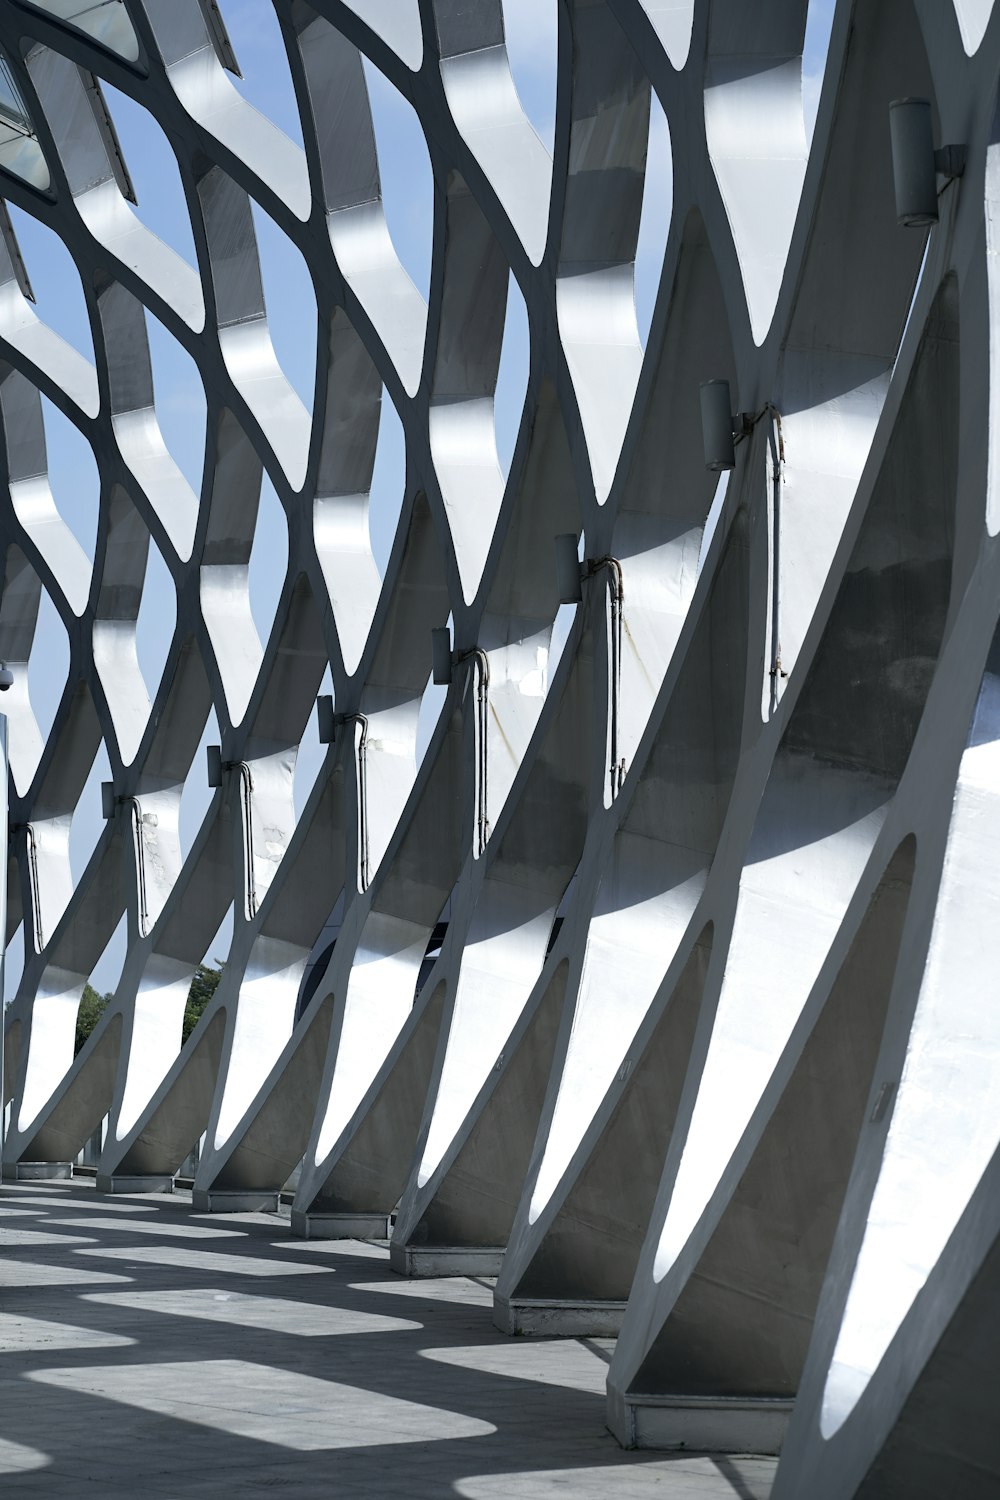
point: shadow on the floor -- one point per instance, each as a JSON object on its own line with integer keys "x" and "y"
{"x": 150, "y": 1351}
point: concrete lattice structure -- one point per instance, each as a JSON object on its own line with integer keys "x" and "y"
{"x": 741, "y": 1101}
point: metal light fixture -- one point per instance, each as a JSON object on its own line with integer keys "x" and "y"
{"x": 6, "y": 678}
{"x": 571, "y": 572}
{"x": 444, "y": 660}
{"x": 717, "y": 426}
{"x": 216, "y": 765}
{"x": 568, "y": 570}
{"x": 722, "y": 428}
{"x": 326, "y": 719}
{"x": 213, "y": 754}
{"x": 441, "y": 656}
{"x": 916, "y": 165}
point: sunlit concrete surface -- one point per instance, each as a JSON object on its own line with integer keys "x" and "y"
{"x": 642, "y": 954}
{"x": 265, "y": 1363}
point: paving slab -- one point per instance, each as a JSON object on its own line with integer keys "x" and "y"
{"x": 271, "y": 1368}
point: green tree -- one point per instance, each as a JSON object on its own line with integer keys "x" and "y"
{"x": 93, "y": 1005}
{"x": 203, "y": 987}
{"x": 92, "y": 1008}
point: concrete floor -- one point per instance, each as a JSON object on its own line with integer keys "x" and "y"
{"x": 149, "y": 1351}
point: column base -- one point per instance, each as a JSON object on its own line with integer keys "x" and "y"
{"x": 347, "y": 1226}
{"x": 550, "y": 1317}
{"x": 705, "y": 1424}
{"x": 446, "y": 1260}
{"x": 37, "y": 1171}
{"x": 235, "y": 1201}
{"x": 130, "y": 1183}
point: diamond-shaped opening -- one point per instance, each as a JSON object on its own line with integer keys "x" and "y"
{"x": 516, "y": 629}
{"x": 512, "y": 375}
{"x": 48, "y": 665}
{"x": 291, "y": 305}
{"x": 561, "y": 627}
{"x": 117, "y": 209}
{"x": 338, "y": 85}
{"x": 756, "y": 140}
{"x": 654, "y": 221}
{"x": 73, "y": 475}
{"x": 213, "y": 960}
{"x": 260, "y": 51}
{"x": 179, "y": 401}
{"x": 913, "y": 301}
{"x": 819, "y": 24}
{"x": 360, "y": 488}
{"x": 311, "y": 754}
{"x": 155, "y": 622}
{"x": 119, "y": 604}
{"x": 294, "y": 666}
{"x": 13, "y": 964}
{"x": 595, "y": 298}
{"x": 385, "y": 500}
{"x": 397, "y": 23}
{"x": 198, "y": 52}
{"x": 197, "y": 795}
{"x": 484, "y": 103}
{"x": 431, "y": 703}
{"x": 466, "y": 369}
{"x": 225, "y": 592}
{"x": 55, "y": 281}
{"x": 107, "y": 971}
{"x": 532, "y": 31}
{"x": 268, "y": 562}
{"x": 87, "y": 823}
{"x": 244, "y": 335}
{"x": 672, "y": 23}
{"x": 712, "y": 519}
{"x": 127, "y": 328}
{"x": 973, "y": 19}
{"x": 155, "y": 175}
{"x": 405, "y": 173}
{"x": 319, "y": 957}
{"x": 397, "y": 675}
{"x": 218, "y": 949}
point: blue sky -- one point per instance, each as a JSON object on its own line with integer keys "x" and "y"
{"x": 407, "y": 192}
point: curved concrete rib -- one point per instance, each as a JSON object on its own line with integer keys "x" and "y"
{"x": 716, "y": 1364}
{"x": 641, "y": 962}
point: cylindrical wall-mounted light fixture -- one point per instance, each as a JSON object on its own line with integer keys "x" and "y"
{"x": 911, "y": 131}
{"x": 717, "y": 425}
{"x": 109, "y": 800}
{"x": 213, "y": 754}
{"x": 326, "y": 724}
{"x": 568, "y": 568}
{"x": 441, "y": 656}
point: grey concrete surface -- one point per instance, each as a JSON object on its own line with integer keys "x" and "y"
{"x": 595, "y": 1015}
{"x": 264, "y": 1363}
